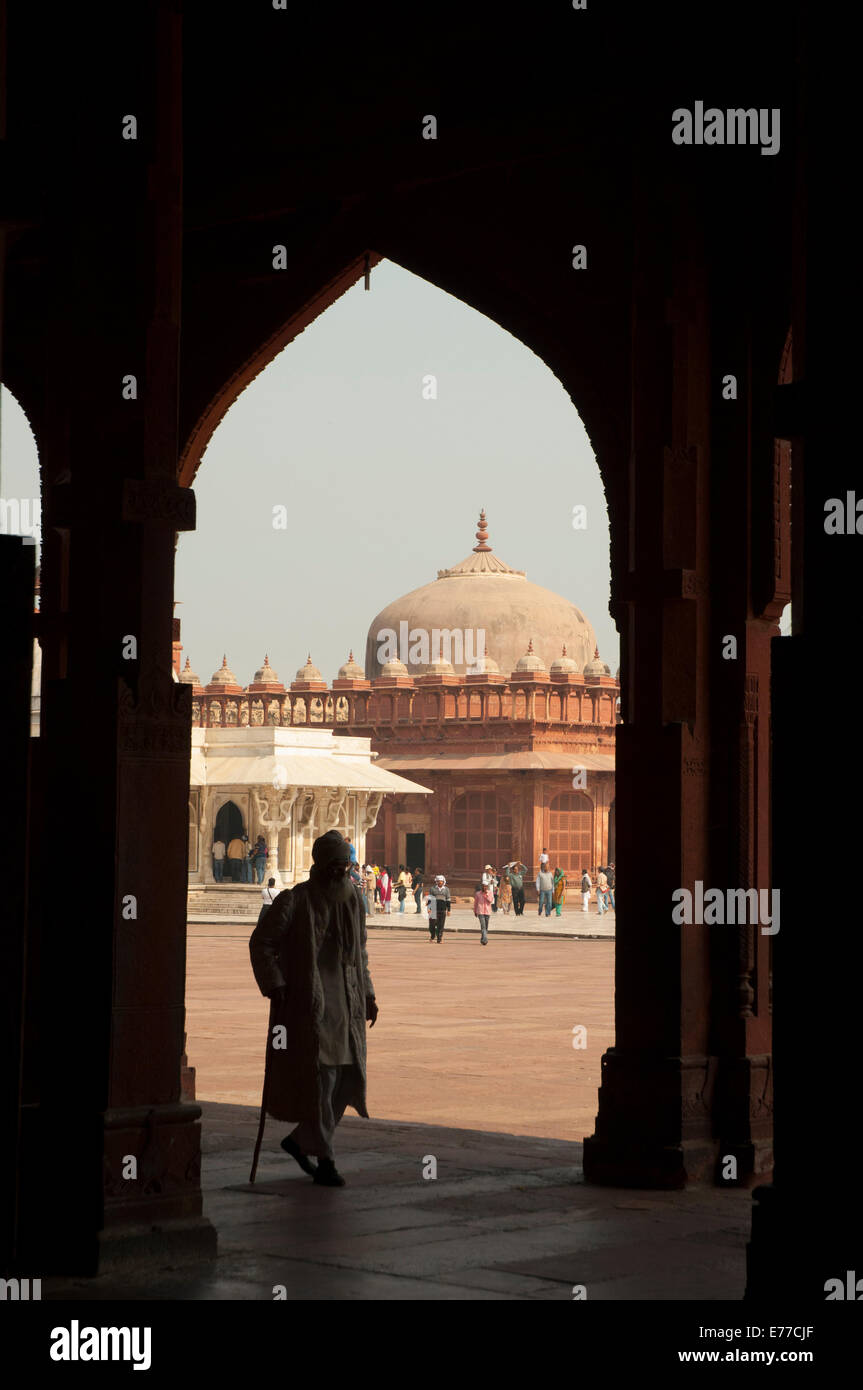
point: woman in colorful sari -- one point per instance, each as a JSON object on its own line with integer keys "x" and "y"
{"x": 505, "y": 893}
{"x": 558, "y": 894}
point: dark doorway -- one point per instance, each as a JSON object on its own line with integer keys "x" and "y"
{"x": 229, "y": 826}
{"x": 415, "y": 851}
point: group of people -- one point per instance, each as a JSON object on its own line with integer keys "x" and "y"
{"x": 505, "y": 888}
{"x": 604, "y": 888}
{"x": 378, "y": 887}
{"x": 242, "y": 860}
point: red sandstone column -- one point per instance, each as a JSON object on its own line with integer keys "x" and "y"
{"x": 112, "y": 992}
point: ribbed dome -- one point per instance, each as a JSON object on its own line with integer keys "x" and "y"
{"x": 485, "y": 665}
{"x": 596, "y": 667}
{"x": 530, "y": 661}
{"x": 224, "y": 675}
{"x": 187, "y": 675}
{"x": 481, "y": 594}
{"x": 394, "y": 668}
{"x": 309, "y": 672}
{"x": 563, "y": 665}
{"x": 351, "y": 671}
{"x": 440, "y": 667}
{"x": 265, "y": 674}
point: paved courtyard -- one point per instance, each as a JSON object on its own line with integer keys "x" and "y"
{"x": 471, "y": 1065}
{"x": 476, "y": 1037}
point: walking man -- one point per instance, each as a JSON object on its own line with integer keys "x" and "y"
{"x": 609, "y": 874}
{"x": 601, "y": 891}
{"x": 481, "y": 910}
{"x": 517, "y": 871}
{"x": 218, "y": 859}
{"x": 309, "y": 958}
{"x": 544, "y": 887}
{"x": 586, "y": 886}
{"x": 417, "y": 886}
{"x": 370, "y": 882}
{"x": 440, "y": 905}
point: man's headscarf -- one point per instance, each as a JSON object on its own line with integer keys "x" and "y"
{"x": 328, "y": 851}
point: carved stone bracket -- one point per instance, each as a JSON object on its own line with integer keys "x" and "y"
{"x": 159, "y": 500}
{"x": 155, "y": 722}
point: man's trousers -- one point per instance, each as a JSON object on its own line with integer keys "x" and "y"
{"x": 317, "y": 1138}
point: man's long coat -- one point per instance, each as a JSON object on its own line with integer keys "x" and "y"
{"x": 284, "y": 951}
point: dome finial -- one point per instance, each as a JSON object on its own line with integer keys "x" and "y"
{"x": 563, "y": 653}
{"x": 596, "y": 653}
{"x": 482, "y": 533}
{"x": 530, "y": 647}
{"x": 351, "y": 654}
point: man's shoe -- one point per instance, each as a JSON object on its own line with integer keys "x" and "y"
{"x": 327, "y": 1175}
{"x": 296, "y": 1152}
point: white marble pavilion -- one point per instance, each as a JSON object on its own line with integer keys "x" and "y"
{"x": 290, "y": 785}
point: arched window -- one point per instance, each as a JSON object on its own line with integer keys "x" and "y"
{"x": 570, "y": 833}
{"x": 482, "y": 831}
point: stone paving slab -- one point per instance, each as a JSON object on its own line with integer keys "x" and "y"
{"x": 509, "y": 1218}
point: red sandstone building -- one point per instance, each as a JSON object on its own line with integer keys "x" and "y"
{"x": 511, "y": 722}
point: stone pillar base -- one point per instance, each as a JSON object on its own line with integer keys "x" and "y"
{"x": 641, "y": 1165}
{"x": 153, "y": 1247}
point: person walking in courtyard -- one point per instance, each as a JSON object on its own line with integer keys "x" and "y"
{"x": 417, "y": 886}
{"x": 352, "y": 847}
{"x": 259, "y": 857}
{"x": 558, "y": 895}
{"x": 586, "y": 886}
{"x": 609, "y": 874}
{"x": 218, "y": 859}
{"x": 309, "y": 958}
{"x": 482, "y": 909}
{"x": 543, "y": 858}
{"x": 377, "y": 871}
{"x": 270, "y": 893}
{"x": 403, "y": 883}
{"x": 505, "y": 891}
{"x": 440, "y": 905}
{"x": 355, "y": 875}
{"x": 385, "y": 888}
{"x": 370, "y": 882}
{"x": 517, "y": 871}
{"x": 601, "y": 891}
{"x": 545, "y": 888}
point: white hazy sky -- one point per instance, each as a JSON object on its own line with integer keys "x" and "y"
{"x": 382, "y": 487}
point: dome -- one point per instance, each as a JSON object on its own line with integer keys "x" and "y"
{"x": 351, "y": 671}
{"x": 187, "y": 675}
{"x": 484, "y": 666}
{"x": 224, "y": 675}
{"x": 265, "y": 675}
{"x": 309, "y": 672}
{"x": 394, "y": 668}
{"x": 481, "y": 594}
{"x": 530, "y": 661}
{"x": 596, "y": 667}
{"x": 439, "y": 667}
{"x": 563, "y": 665}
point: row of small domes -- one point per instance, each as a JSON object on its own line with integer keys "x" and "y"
{"x": 351, "y": 670}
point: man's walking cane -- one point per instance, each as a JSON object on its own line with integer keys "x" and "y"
{"x": 263, "y": 1119}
